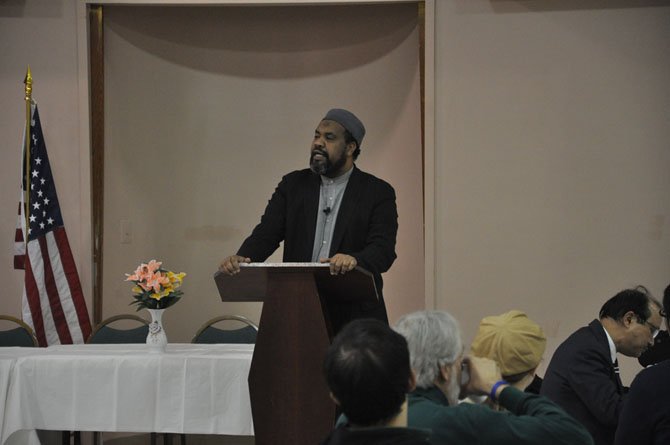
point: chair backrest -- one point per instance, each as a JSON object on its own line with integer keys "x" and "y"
{"x": 103, "y": 333}
{"x": 209, "y": 334}
{"x": 22, "y": 335}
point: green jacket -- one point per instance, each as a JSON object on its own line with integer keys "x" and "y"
{"x": 531, "y": 419}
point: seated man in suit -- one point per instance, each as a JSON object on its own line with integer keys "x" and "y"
{"x": 645, "y": 418}
{"x": 516, "y": 343}
{"x": 436, "y": 354}
{"x": 368, "y": 373}
{"x": 583, "y": 375}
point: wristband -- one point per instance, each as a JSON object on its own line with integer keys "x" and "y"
{"x": 495, "y": 388}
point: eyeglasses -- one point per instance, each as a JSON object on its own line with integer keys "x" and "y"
{"x": 654, "y": 329}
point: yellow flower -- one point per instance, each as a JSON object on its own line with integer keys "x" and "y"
{"x": 176, "y": 278}
{"x": 168, "y": 287}
{"x": 159, "y": 295}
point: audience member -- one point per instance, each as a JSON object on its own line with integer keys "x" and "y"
{"x": 661, "y": 349}
{"x": 645, "y": 418}
{"x": 515, "y": 343}
{"x": 436, "y": 354}
{"x": 368, "y": 372}
{"x": 583, "y": 375}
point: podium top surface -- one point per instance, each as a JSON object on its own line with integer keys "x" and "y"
{"x": 251, "y": 283}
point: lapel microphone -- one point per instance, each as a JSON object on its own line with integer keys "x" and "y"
{"x": 327, "y": 210}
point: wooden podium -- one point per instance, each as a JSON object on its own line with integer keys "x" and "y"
{"x": 289, "y": 396}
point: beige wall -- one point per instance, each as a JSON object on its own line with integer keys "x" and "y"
{"x": 552, "y": 147}
{"x": 551, "y": 152}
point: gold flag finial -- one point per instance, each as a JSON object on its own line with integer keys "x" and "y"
{"x": 29, "y": 92}
{"x": 29, "y": 84}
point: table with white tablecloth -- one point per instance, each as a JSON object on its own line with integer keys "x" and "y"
{"x": 190, "y": 388}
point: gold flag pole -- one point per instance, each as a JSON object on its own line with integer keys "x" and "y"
{"x": 29, "y": 91}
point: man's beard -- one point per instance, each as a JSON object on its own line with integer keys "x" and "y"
{"x": 325, "y": 166}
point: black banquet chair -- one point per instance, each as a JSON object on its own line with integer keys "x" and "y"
{"x": 228, "y": 332}
{"x": 18, "y": 334}
{"x": 104, "y": 333}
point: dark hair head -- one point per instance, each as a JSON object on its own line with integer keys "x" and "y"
{"x": 666, "y": 301}
{"x": 367, "y": 369}
{"x": 637, "y": 300}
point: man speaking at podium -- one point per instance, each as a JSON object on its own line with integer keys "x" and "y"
{"x": 331, "y": 213}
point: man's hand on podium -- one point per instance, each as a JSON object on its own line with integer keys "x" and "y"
{"x": 340, "y": 263}
{"x": 231, "y": 265}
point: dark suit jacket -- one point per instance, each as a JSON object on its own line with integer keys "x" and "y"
{"x": 366, "y": 228}
{"x": 645, "y": 419}
{"x": 581, "y": 379}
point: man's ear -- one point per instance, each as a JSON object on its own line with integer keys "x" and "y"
{"x": 445, "y": 372}
{"x": 411, "y": 386}
{"x": 351, "y": 148}
{"x": 333, "y": 398}
{"x": 628, "y": 318}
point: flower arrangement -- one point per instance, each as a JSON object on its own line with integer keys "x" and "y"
{"x": 155, "y": 287}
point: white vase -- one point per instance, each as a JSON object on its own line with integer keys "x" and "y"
{"x": 156, "y": 339}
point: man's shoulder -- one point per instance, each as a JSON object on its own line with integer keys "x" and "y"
{"x": 655, "y": 374}
{"x": 368, "y": 176}
{"x": 303, "y": 174}
{"x": 589, "y": 336}
{"x": 586, "y": 347}
{"x": 371, "y": 180}
{"x": 651, "y": 388}
{"x": 422, "y": 408}
{"x": 362, "y": 179}
{"x": 425, "y": 409}
{"x": 299, "y": 178}
{"x": 454, "y": 424}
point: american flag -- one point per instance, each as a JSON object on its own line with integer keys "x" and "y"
{"x": 53, "y": 303}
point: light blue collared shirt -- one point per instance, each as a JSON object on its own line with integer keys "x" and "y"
{"x": 330, "y": 198}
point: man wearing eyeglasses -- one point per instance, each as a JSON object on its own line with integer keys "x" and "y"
{"x": 583, "y": 375}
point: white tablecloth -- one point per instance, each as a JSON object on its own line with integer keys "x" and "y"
{"x": 188, "y": 389}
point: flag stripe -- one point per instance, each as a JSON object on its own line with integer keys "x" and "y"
{"x": 52, "y": 294}
{"x": 19, "y": 240}
{"x": 41, "y": 272}
{"x": 32, "y": 306}
{"x": 59, "y": 250}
